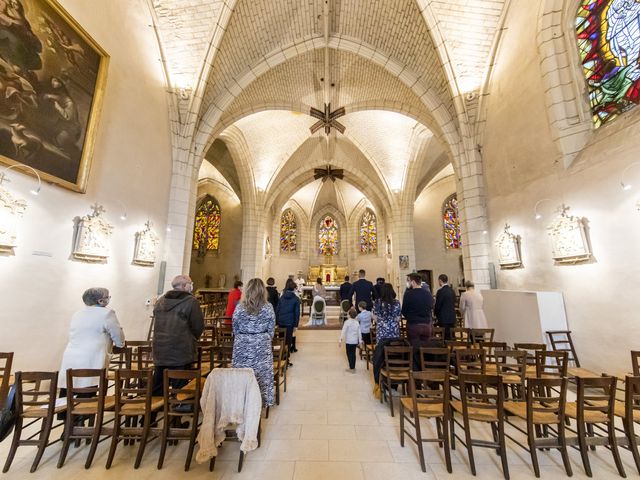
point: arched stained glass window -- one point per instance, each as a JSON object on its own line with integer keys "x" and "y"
{"x": 328, "y": 243}
{"x": 288, "y": 231}
{"x": 451, "y": 222}
{"x": 608, "y": 34}
{"x": 368, "y": 232}
{"x": 206, "y": 233}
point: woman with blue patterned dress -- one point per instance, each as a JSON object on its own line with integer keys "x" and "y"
{"x": 387, "y": 311}
{"x": 253, "y": 327}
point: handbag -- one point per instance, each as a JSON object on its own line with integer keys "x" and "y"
{"x": 8, "y": 415}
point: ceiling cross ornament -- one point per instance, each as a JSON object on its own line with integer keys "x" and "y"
{"x": 327, "y": 119}
{"x": 328, "y": 173}
{"x": 97, "y": 209}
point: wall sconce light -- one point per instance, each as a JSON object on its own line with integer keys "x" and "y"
{"x": 123, "y": 215}
{"x": 20, "y": 165}
{"x": 537, "y": 214}
{"x": 625, "y": 185}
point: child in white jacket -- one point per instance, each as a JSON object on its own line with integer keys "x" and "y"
{"x": 352, "y": 338}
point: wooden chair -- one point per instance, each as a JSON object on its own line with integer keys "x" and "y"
{"x": 82, "y": 402}
{"x": 531, "y": 349}
{"x": 635, "y": 363}
{"x": 132, "y": 400}
{"x": 435, "y": 358}
{"x": 224, "y": 335}
{"x": 437, "y": 332}
{"x": 345, "y": 305}
{"x": 511, "y": 366}
{"x": 6, "y": 359}
{"x": 481, "y": 400}
{"x": 279, "y": 366}
{"x": 223, "y": 356}
{"x": 370, "y": 348}
{"x": 461, "y": 334}
{"x": 179, "y": 403}
{"x": 629, "y": 412}
{"x": 490, "y": 349}
{"x": 595, "y": 405}
{"x": 208, "y": 336}
{"x": 471, "y": 360}
{"x": 482, "y": 335}
{"x": 395, "y": 371}
{"x": 429, "y": 398}
{"x": 545, "y": 405}
{"x": 35, "y": 402}
{"x": 551, "y": 364}
{"x": 561, "y": 341}
{"x": 142, "y": 358}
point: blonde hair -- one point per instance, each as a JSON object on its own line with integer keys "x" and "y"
{"x": 254, "y": 296}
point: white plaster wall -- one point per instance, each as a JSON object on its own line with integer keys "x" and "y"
{"x": 431, "y": 253}
{"x": 227, "y": 259}
{"x": 518, "y": 156}
{"x": 132, "y": 163}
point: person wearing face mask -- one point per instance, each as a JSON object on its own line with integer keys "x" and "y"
{"x": 178, "y": 323}
{"x": 93, "y": 331}
{"x": 416, "y": 308}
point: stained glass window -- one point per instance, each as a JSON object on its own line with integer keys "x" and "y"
{"x": 288, "y": 231}
{"x": 328, "y": 243}
{"x": 206, "y": 233}
{"x": 608, "y": 33}
{"x": 451, "y": 222}
{"x": 368, "y": 232}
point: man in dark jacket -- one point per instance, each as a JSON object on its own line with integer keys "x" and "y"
{"x": 416, "y": 308}
{"x": 272, "y": 293}
{"x": 363, "y": 290}
{"x": 288, "y": 313}
{"x": 178, "y": 323}
{"x": 445, "y": 309}
{"x": 345, "y": 290}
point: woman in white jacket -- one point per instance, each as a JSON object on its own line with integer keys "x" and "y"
{"x": 471, "y": 303}
{"x": 94, "y": 329}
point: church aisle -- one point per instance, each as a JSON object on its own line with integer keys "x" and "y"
{"x": 328, "y": 426}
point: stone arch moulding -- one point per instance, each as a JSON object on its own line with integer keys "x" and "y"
{"x": 442, "y": 122}
{"x": 567, "y": 106}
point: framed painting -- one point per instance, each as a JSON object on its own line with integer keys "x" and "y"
{"x": 52, "y": 78}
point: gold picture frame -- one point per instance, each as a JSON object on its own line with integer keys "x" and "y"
{"x": 52, "y": 81}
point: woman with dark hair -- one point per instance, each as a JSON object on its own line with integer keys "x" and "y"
{"x": 319, "y": 290}
{"x": 386, "y": 311}
{"x": 253, "y": 328}
{"x": 288, "y": 312}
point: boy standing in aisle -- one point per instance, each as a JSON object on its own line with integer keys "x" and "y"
{"x": 352, "y": 338}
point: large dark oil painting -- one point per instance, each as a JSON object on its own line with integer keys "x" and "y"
{"x": 52, "y": 78}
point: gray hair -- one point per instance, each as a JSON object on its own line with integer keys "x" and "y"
{"x": 92, "y": 296}
{"x": 180, "y": 282}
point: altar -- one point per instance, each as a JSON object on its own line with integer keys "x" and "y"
{"x": 329, "y": 273}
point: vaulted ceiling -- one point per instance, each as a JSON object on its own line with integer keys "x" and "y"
{"x": 255, "y": 67}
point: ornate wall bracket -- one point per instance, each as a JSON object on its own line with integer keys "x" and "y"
{"x": 91, "y": 242}
{"x": 146, "y": 247}
{"x": 569, "y": 238}
{"x": 509, "y": 249}
{"x": 11, "y": 211}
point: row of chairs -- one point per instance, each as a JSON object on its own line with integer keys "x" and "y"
{"x": 132, "y": 405}
{"x": 484, "y": 378}
{"x": 129, "y": 375}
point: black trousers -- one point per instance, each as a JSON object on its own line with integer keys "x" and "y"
{"x": 366, "y": 338}
{"x": 289, "y": 338}
{"x": 448, "y": 331}
{"x": 351, "y": 354}
{"x": 158, "y": 379}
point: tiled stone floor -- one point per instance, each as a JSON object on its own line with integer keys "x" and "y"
{"x": 328, "y": 426}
